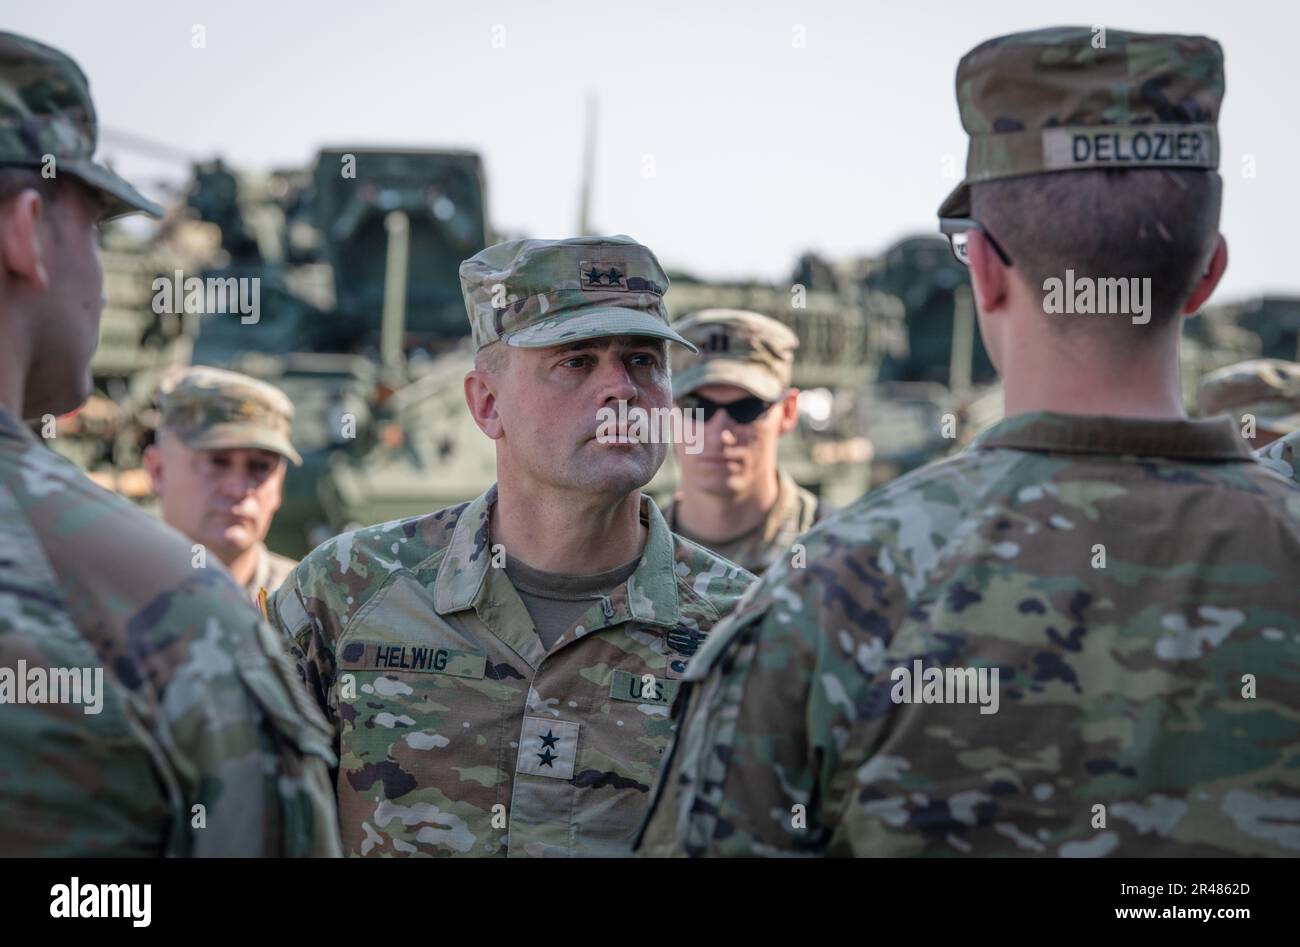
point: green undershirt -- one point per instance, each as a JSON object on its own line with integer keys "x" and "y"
{"x": 556, "y": 601}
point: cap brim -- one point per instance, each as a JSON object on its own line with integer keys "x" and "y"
{"x": 594, "y": 324}
{"x": 725, "y": 371}
{"x": 232, "y": 436}
{"x": 120, "y": 198}
{"x": 957, "y": 204}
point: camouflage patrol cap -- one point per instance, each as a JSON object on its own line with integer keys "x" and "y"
{"x": 1057, "y": 100}
{"x": 211, "y": 408}
{"x": 1268, "y": 388}
{"x": 535, "y": 293}
{"x": 736, "y": 347}
{"x": 46, "y": 111}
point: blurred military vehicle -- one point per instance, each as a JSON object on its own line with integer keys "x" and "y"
{"x": 304, "y": 277}
{"x": 368, "y": 346}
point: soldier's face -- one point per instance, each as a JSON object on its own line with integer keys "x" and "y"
{"x": 736, "y": 457}
{"x": 66, "y": 314}
{"x": 224, "y": 499}
{"x": 550, "y": 404}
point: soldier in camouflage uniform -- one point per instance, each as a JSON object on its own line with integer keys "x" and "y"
{"x": 218, "y": 468}
{"x": 499, "y": 673}
{"x": 144, "y": 709}
{"x": 1262, "y": 396}
{"x": 1078, "y": 636}
{"x": 733, "y": 498}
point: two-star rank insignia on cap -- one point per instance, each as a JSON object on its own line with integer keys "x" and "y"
{"x": 603, "y": 276}
{"x": 548, "y": 748}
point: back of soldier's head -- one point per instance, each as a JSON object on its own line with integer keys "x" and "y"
{"x": 1095, "y": 152}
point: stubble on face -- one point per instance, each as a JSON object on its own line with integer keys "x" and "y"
{"x": 550, "y": 402}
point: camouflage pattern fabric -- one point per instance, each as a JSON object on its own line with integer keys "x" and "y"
{"x": 795, "y": 512}
{"x": 458, "y": 734}
{"x": 211, "y": 408}
{"x": 47, "y": 120}
{"x": 1267, "y": 389}
{"x": 199, "y": 706}
{"x": 272, "y": 569}
{"x": 536, "y": 293}
{"x": 1055, "y": 100}
{"x": 1283, "y": 456}
{"x": 1122, "y": 681}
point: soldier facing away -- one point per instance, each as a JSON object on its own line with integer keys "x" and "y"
{"x": 733, "y": 497}
{"x": 218, "y": 467}
{"x": 160, "y": 716}
{"x": 1076, "y": 637}
{"x": 499, "y": 673}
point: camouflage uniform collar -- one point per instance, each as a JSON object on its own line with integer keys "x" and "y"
{"x": 12, "y": 427}
{"x": 1199, "y": 439}
{"x": 649, "y": 596}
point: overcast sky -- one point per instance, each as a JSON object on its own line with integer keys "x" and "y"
{"x": 723, "y": 145}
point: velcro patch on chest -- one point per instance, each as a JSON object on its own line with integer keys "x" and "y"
{"x": 683, "y": 641}
{"x": 642, "y": 688}
{"x": 420, "y": 659}
{"x": 548, "y": 748}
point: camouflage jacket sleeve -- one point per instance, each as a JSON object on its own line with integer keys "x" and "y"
{"x": 765, "y": 776}
{"x": 286, "y": 780}
{"x": 206, "y": 744}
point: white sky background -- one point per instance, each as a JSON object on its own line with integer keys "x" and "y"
{"x": 760, "y": 150}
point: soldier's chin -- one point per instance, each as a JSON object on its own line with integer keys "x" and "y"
{"x": 237, "y": 537}
{"x": 622, "y": 472}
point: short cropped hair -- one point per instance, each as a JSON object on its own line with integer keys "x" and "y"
{"x": 1105, "y": 223}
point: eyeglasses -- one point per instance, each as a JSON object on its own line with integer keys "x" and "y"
{"x": 745, "y": 411}
{"x": 957, "y": 230}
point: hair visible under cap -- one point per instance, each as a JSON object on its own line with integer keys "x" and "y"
{"x": 492, "y": 358}
{"x": 1157, "y": 223}
{"x": 14, "y": 179}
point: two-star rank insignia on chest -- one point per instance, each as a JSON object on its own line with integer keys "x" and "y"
{"x": 548, "y": 748}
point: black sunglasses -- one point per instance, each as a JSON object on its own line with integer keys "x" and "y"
{"x": 957, "y": 230}
{"x": 744, "y": 411}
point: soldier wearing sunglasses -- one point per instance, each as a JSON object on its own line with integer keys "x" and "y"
{"x": 733, "y": 499}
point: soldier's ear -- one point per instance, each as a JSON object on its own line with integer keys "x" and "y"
{"x": 481, "y": 398}
{"x": 1210, "y": 278}
{"x": 152, "y": 459}
{"x": 22, "y": 248}
{"x": 989, "y": 276}
{"x": 789, "y": 409}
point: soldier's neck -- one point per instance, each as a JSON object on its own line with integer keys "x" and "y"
{"x": 717, "y": 517}
{"x": 1043, "y": 374}
{"x": 573, "y": 534}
